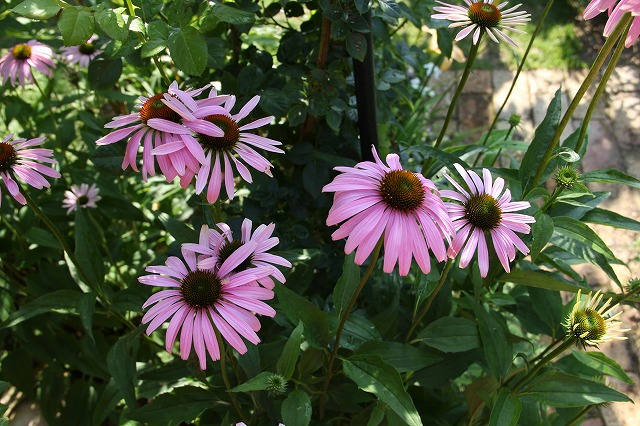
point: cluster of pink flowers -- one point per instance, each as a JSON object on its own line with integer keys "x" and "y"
{"x": 17, "y": 64}
{"x": 194, "y": 138}
{"x": 616, "y": 9}
{"x": 215, "y": 290}
{"x": 374, "y": 201}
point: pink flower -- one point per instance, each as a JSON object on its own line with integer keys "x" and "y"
{"x": 615, "y": 14}
{"x": 598, "y": 6}
{"x": 83, "y": 197}
{"x": 146, "y": 127}
{"x": 483, "y": 16}
{"x": 203, "y": 301}
{"x": 218, "y": 246}
{"x": 483, "y": 211}
{"x": 373, "y": 199}
{"x": 81, "y": 54}
{"x": 18, "y": 157}
{"x": 219, "y": 142}
{"x": 24, "y": 56}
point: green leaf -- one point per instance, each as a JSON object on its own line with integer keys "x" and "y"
{"x": 296, "y": 409}
{"x": 38, "y": 9}
{"x": 390, "y": 8}
{"x": 442, "y": 157}
{"x": 121, "y": 363}
{"x": 357, "y": 330}
{"x": 538, "y": 279}
{"x": 609, "y": 218}
{"x": 547, "y": 304}
{"x": 188, "y": 50}
{"x": 173, "y": 408}
{"x": 611, "y": 176}
{"x": 289, "y": 357}
{"x": 315, "y": 175}
{"x": 76, "y": 25}
{"x": 86, "y": 307}
{"x": 107, "y": 401}
{"x": 87, "y": 250}
{"x": 178, "y": 229}
{"x": 506, "y": 410}
{"x": 64, "y": 300}
{"x": 356, "y": 45}
{"x": 600, "y": 362}
{"x": 112, "y": 23}
{"x": 450, "y": 334}
{"x": 104, "y": 74}
{"x": 543, "y": 135}
{"x": 297, "y": 308}
{"x": 541, "y": 230}
{"x": 562, "y": 390}
{"x": 231, "y": 15}
{"x": 497, "y": 350}
{"x": 42, "y": 238}
{"x": 347, "y": 284}
{"x": 259, "y": 382}
{"x": 373, "y": 375}
{"x": 401, "y": 356}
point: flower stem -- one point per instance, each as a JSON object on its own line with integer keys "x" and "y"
{"x": 591, "y": 76}
{"x": 601, "y": 86}
{"x": 544, "y": 361}
{"x": 432, "y": 296}
{"x": 576, "y": 419}
{"x": 495, "y": 157}
{"x": 520, "y": 67}
{"x": 554, "y": 196}
{"x": 163, "y": 74}
{"x": 225, "y": 378}
{"x": 343, "y": 320}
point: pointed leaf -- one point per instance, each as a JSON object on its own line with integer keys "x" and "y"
{"x": 541, "y": 230}
{"x": 37, "y": 9}
{"x": 297, "y": 308}
{"x": 173, "y": 408}
{"x": 402, "y": 357}
{"x": 601, "y": 362}
{"x": 76, "y": 25}
{"x": 539, "y": 279}
{"x": 259, "y": 382}
{"x": 289, "y": 357}
{"x": 346, "y": 285}
{"x": 497, "y": 350}
{"x": 59, "y": 300}
{"x": 449, "y": 334}
{"x": 86, "y": 307}
{"x": 356, "y": 45}
{"x": 121, "y": 363}
{"x": 609, "y": 218}
{"x": 611, "y": 176}
{"x": 87, "y": 250}
{"x": 296, "y": 409}
{"x": 506, "y": 410}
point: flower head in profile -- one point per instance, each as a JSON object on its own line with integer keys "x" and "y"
{"x": 203, "y": 302}
{"x": 219, "y": 245}
{"x": 146, "y": 128}
{"x": 81, "y": 54}
{"x": 376, "y": 200}
{"x": 483, "y": 212}
{"x": 20, "y": 158}
{"x": 589, "y": 323}
{"x": 81, "y": 197}
{"x": 17, "y": 64}
{"x": 220, "y": 142}
{"x": 483, "y": 16}
{"x": 616, "y": 11}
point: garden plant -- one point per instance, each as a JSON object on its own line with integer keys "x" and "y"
{"x": 218, "y": 212}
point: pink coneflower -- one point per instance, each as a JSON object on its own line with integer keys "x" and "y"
{"x": 615, "y": 14}
{"x": 18, "y": 157}
{"x": 218, "y": 246}
{"x": 483, "y": 15}
{"x": 484, "y": 210}
{"x": 220, "y": 141}
{"x": 203, "y": 301}
{"x": 24, "y": 56}
{"x": 81, "y": 54}
{"x": 374, "y": 199}
{"x": 147, "y": 126}
{"x": 81, "y": 197}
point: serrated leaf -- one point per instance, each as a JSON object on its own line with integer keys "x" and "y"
{"x": 188, "y": 49}
{"x": 153, "y": 47}
{"x": 76, "y": 25}
{"x": 611, "y": 176}
{"x": 173, "y": 408}
{"x": 356, "y": 45}
{"x": 506, "y": 410}
{"x": 289, "y": 357}
{"x": 231, "y": 15}
{"x": 259, "y": 382}
{"x": 296, "y": 409}
{"x": 37, "y": 9}
{"x": 347, "y": 284}
{"x": 65, "y": 300}
{"x": 450, "y": 334}
{"x": 112, "y": 23}
{"x": 373, "y": 375}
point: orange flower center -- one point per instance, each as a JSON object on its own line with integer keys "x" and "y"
{"x": 8, "y": 157}
{"x": 402, "y": 190}
{"x": 221, "y": 143}
{"x": 483, "y": 212}
{"x": 155, "y": 108}
{"x": 486, "y": 15}
{"x": 21, "y": 51}
{"x": 200, "y": 289}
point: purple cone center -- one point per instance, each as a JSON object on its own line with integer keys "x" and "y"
{"x": 483, "y": 212}
{"x": 222, "y": 143}
{"x": 8, "y": 157}
{"x": 588, "y": 321}
{"x": 227, "y": 249}
{"x": 21, "y": 51}
{"x": 486, "y": 15}
{"x": 200, "y": 289}
{"x": 155, "y": 108}
{"x": 402, "y": 190}
{"x": 87, "y": 48}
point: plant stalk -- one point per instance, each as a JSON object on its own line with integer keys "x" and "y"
{"x": 544, "y": 361}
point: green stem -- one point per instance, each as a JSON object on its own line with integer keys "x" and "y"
{"x": 429, "y": 301}
{"x": 45, "y": 100}
{"x": 225, "y": 378}
{"x": 343, "y": 321}
{"x": 603, "y": 84}
{"x": 495, "y": 157}
{"x": 463, "y": 80}
{"x": 163, "y": 74}
{"x": 520, "y": 67}
{"x": 132, "y": 11}
{"x": 625, "y": 297}
{"x": 554, "y": 196}
{"x": 544, "y": 361}
{"x": 591, "y": 76}
{"x": 576, "y": 419}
